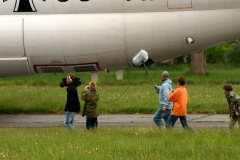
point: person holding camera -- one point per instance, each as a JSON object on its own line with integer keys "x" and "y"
{"x": 90, "y": 110}
{"x": 72, "y": 105}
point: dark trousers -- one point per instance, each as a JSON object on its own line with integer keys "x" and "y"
{"x": 183, "y": 121}
{"x": 91, "y": 123}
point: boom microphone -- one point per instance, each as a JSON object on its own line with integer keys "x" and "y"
{"x": 141, "y": 58}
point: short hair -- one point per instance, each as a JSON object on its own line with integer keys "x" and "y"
{"x": 228, "y": 87}
{"x": 92, "y": 85}
{"x": 181, "y": 80}
{"x": 72, "y": 76}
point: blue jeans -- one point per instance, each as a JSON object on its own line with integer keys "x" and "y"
{"x": 183, "y": 121}
{"x": 157, "y": 118}
{"x": 69, "y": 120}
{"x": 91, "y": 123}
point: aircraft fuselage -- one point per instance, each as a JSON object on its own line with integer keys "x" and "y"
{"x": 90, "y": 36}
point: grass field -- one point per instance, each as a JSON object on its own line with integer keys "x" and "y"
{"x": 216, "y": 74}
{"x": 134, "y": 94}
{"x": 118, "y": 143}
{"x": 113, "y": 99}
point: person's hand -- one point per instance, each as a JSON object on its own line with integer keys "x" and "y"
{"x": 155, "y": 86}
{"x": 63, "y": 112}
{"x": 164, "y": 108}
{"x": 86, "y": 88}
{"x": 172, "y": 90}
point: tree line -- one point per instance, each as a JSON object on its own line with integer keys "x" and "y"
{"x": 227, "y": 53}
{"x": 224, "y": 53}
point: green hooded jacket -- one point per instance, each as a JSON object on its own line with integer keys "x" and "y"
{"x": 91, "y": 98}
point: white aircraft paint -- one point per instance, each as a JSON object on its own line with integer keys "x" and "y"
{"x": 50, "y": 36}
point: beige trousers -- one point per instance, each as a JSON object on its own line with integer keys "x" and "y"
{"x": 233, "y": 121}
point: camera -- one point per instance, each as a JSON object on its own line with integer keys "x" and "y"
{"x": 77, "y": 82}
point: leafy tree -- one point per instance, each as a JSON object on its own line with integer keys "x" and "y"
{"x": 234, "y": 57}
{"x": 218, "y": 54}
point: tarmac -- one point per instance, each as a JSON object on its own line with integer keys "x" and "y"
{"x": 110, "y": 120}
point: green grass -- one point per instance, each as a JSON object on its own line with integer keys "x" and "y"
{"x": 118, "y": 143}
{"x": 113, "y": 99}
{"x": 134, "y": 94}
{"x": 216, "y": 74}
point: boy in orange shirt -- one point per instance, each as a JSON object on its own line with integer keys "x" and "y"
{"x": 179, "y": 99}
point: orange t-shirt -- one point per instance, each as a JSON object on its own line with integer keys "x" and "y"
{"x": 179, "y": 99}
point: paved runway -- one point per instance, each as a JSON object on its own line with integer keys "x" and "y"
{"x": 122, "y": 120}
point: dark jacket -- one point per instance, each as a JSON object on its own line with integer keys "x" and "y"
{"x": 72, "y": 104}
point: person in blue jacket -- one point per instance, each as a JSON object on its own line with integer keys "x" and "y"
{"x": 165, "y": 105}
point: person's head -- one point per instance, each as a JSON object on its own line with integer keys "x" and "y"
{"x": 92, "y": 85}
{"x": 165, "y": 75}
{"x": 181, "y": 80}
{"x": 70, "y": 78}
{"x": 227, "y": 88}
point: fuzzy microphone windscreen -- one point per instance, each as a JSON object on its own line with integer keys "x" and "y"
{"x": 139, "y": 58}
